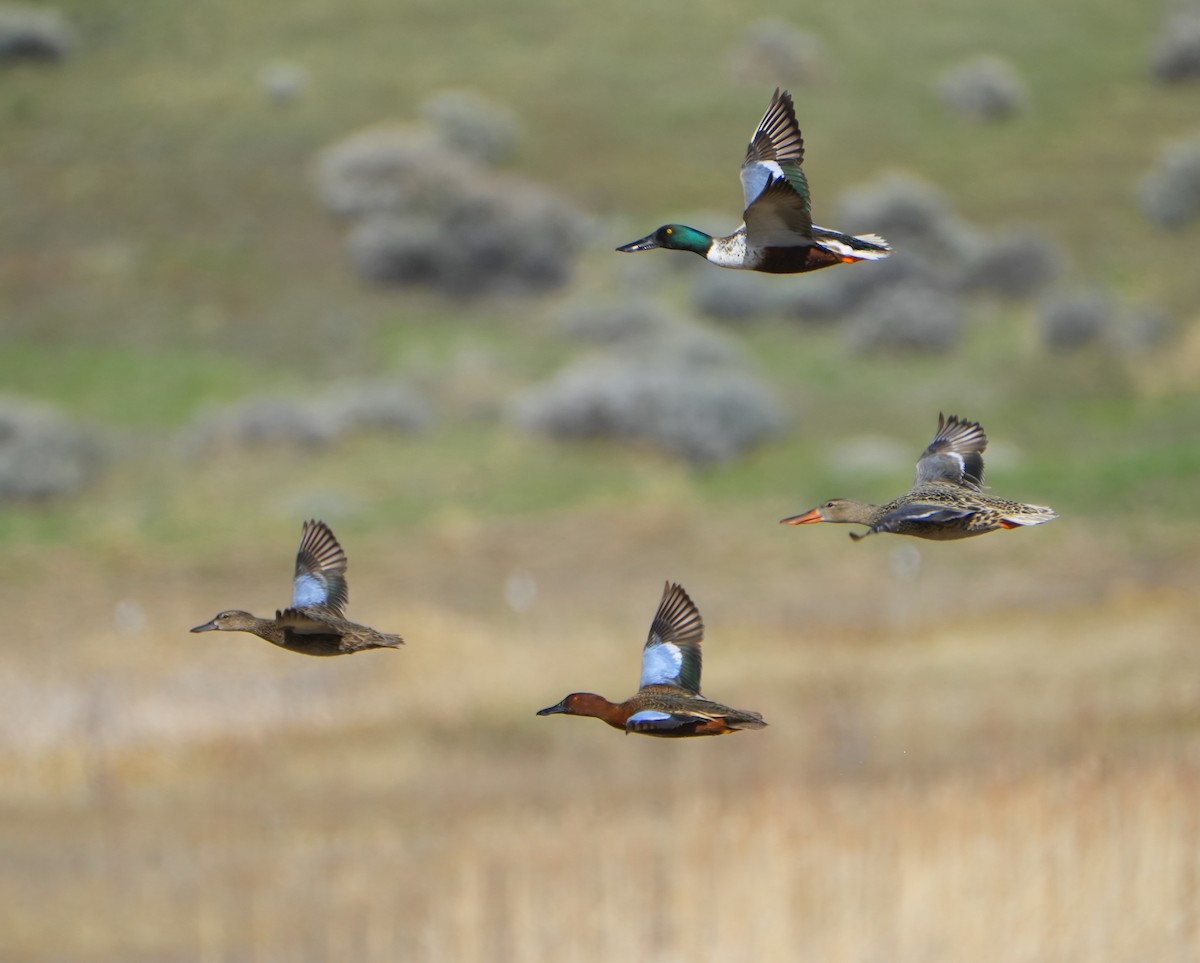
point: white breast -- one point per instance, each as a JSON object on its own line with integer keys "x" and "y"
{"x": 729, "y": 251}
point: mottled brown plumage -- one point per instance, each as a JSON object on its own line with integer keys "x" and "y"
{"x": 946, "y": 501}
{"x": 669, "y": 702}
{"x": 315, "y": 623}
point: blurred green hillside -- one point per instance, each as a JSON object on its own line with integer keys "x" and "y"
{"x": 163, "y": 248}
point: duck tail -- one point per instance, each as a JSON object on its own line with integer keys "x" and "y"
{"x": 744, "y": 719}
{"x": 1028, "y": 515}
{"x": 852, "y": 247}
{"x": 385, "y": 641}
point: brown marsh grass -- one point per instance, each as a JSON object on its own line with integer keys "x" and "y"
{"x": 957, "y": 767}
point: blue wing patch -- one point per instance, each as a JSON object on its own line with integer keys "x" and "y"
{"x": 309, "y": 590}
{"x": 647, "y": 715}
{"x": 661, "y": 664}
{"x": 756, "y": 177}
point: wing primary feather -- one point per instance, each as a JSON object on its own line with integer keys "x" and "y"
{"x": 955, "y": 455}
{"x": 778, "y": 136}
{"x": 320, "y": 569}
{"x": 672, "y": 653}
{"x": 677, "y": 620}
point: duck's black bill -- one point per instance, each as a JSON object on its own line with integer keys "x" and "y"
{"x": 206, "y": 627}
{"x": 645, "y": 244}
{"x": 553, "y": 710}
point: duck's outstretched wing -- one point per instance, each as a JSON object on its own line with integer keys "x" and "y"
{"x": 777, "y": 207}
{"x": 320, "y": 577}
{"x": 955, "y": 455}
{"x": 672, "y": 652}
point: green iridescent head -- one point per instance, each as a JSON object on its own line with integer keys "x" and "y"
{"x": 676, "y": 237}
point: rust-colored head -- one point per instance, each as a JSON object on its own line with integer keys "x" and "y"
{"x": 589, "y": 704}
{"x": 576, "y": 704}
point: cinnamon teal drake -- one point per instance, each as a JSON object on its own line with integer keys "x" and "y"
{"x": 669, "y": 702}
{"x": 777, "y": 235}
{"x": 947, "y": 500}
{"x": 315, "y": 623}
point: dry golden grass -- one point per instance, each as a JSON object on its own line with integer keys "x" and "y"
{"x": 1093, "y": 860}
{"x": 959, "y": 766}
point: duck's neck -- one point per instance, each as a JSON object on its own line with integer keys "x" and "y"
{"x": 267, "y": 629}
{"x": 727, "y": 251}
{"x": 598, "y": 707}
{"x": 869, "y": 513}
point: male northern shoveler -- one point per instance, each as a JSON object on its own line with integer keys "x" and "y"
{"x": 946, "y": 501}
{"x": 669, "y": 702}
{"x": 315, "y": 624}
{"x": 777, "y": 235}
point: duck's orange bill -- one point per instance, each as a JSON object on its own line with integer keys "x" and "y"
{"x": 814, "y": 515}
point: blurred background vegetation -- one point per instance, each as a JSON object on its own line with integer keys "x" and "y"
{"x": 272, "y": 261}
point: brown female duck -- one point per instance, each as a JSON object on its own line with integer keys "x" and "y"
{"x": 669, "y": 702}
{"x": 315, "y": 623}
{"x": 947, "y": 500}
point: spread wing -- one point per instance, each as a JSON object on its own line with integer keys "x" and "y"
{"x": 955, "y": 455}
{"x": 320, "y": 577}
{"x": 672, "y": 652}
{"x": 773, "y": 182}
{"x": 779, "y": 218}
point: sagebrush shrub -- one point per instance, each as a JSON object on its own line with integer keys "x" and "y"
{"x": 702, "y": 412}
{"x": 775, "y": 52}
{"x": 1170, "y": 193}
{"x": 985, "y": 88}
{"x": 734, "y": 295}
{"x": 34, "y": 34}
{"x": 473, "y": 125}
{"x": 1015, "y": 263}
{"x": 615, "y": 319}
{"x": 311, "y": 422}
{"x": 425, "y": 215}
{"x": 909, "y": 213}
{"x": 42, "y": 454}
{"x": 911, "y": 317}
{"x": 1072, "y": 319}
{"x": 1176, "y": 53}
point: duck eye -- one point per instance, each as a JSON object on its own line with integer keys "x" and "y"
{"x": 668, "y": 230}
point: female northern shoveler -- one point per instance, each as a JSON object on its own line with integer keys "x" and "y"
{"x": 777, "y": 235}
{"x": 669, "y": 702}
{"x": 945, "y": 502}
{"x": 315, "y": 623}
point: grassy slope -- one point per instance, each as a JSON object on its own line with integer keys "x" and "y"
{"x": 163, "y": 249}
